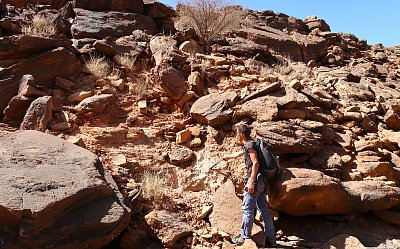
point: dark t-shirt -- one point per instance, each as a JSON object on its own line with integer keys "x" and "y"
{"x": 247, "y": 160}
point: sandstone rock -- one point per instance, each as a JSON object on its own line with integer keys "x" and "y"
{"x": 79, "y": 96}
{"x": 186, "y": 98}
{"x": 101, "y": 5}
{"x": 373, "y": 195}
{"x": 172, "y": 81}
{"x": 291, "y": 114}
{"x": 180, "y": 154}
{"x": 343, "y": 242}
{"x": 164, "y": 49}
{"x": 212, "y": 109}
{"x": 317, "y": 24}
{"x": 158, "y": 10}
{"x": 168, "y": 226}
{"x": 261, "y": 109}
{"x": 261, "y": 92}
{"x": 24, "y": 46}
{"x": 227, "y": 213}
{"x": 196, "y": 83}
{"x": 285, "y": 137}
{"x": 191, "y": 47}
{"x": 304, "y": 192}
{"x": 204, "y": 212}
{"x": 292, "y": 99}
{"x": 38, "y": 115}
{"x": 17, "y": 108}
{"x": 95, "y": 103}
{"x": 133, "y": 239}
{"x": 77, "y": 141}
{"x": 392, "y": 116}
{"x": 48, "y": 65}
{"x": 298, "y": 47}
{"x": 91, "y": 24}
{"x": 62, "y": 126}
{"x": 183, "y": 136}
{"x": 142, "y": 105}
{"x": 327, "y": 158}
{"x": 355, "y": 91}
{"x": 345, "y": 140}
{"x": 64, "y": 190}
{"x": 375, "y": 169}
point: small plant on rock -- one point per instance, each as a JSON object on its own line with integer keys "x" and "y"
{"x": 40, "y": 27}
{"x": 98, "y": 66}
{"x": 154, "y": 186}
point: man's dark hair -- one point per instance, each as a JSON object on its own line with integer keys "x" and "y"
{"x": 245, "y": 130}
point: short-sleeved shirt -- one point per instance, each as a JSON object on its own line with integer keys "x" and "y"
{"x": 247, "y": 160}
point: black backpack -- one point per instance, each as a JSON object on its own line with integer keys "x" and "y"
{"x": 268, "y": 162}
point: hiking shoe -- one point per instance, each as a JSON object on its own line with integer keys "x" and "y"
{"x": 238, "y": 240}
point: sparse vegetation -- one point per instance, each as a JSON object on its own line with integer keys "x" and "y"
{"x": 208, "y": 17}
{"x": 154, "y": 186}
{"x": 293, "y": 70}
{"x": 98, "y": 66}
{"x": 40, "y": 27}
{"x": 127, "y": 61}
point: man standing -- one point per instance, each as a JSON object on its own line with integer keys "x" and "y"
{"x": 253, "y": 191}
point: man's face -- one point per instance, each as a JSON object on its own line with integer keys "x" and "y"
{"x": 239, "y": 138}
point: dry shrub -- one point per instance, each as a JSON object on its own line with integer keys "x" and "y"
{"x": 154, "y": 186}
{"x": 40, "y": 27}
{"x": 98, "y": 66}
{"x": 125, "y": 60}
{"x": 208, "y": 17}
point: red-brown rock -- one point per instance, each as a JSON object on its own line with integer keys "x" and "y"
{"x": 135, "y": 6}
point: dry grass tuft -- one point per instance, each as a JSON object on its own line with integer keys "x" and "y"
{"x": 127, "y": 61}
{"x": 98, "y": 66}
{"x": 40, "y": 27}
{"x": 208, "y": 17}
{"x": 293, "y": 70}
{"x": 153, "y": 186}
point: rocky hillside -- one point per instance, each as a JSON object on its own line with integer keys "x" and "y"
{"x": 156, "y": 107}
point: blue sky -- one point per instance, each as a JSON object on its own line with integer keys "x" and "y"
{"x": 375, "y": 21}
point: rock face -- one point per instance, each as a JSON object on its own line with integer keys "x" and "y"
{"x": 262, "y": 109}
{"x": 172, "y": 81}
{"x": 49, "y": 65}
{"x": 101, "y": 5}
{"x": 169, "y": 226}
{"x": 212, "y": 109}
{"x": 58, "y": 191}
{"x": 97, "y": 25}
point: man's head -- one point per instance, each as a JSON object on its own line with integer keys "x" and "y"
{"x": 243, "y": 133}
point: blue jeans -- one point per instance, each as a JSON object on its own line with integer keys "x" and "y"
{"x": 250, "y": 202}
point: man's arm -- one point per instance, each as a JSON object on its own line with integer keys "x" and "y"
{"x": 254, "y": 170}
{"x": 233, "y": 155}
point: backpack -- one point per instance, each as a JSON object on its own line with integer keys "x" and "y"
{"x": 268, "y": 162}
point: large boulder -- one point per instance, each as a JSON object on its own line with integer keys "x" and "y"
{"x": 101, "y": 5}
{"x": 45, "y": 68}
{"x": 212, "y": 109}
{"x": 54, "y": 194}
{"x": 98, "y": 25}
{"x": 285, "y": 137}
{"x": 392, "y": 116}
{"x": 306, "y": 192}
{"x": 301, "y": 192}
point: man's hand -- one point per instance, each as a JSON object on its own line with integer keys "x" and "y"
{"x": 251, "y": 188}
{"x": 233, "y": 155}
